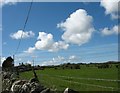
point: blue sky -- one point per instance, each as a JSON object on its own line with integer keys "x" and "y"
{"x": 44, "y": 17}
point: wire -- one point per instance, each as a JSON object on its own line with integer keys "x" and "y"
{"x": 24, "y": 27}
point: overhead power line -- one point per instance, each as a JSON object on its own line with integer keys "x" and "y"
{"x": 24, "y": 26}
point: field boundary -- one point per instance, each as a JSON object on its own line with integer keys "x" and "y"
{"x": 94, "y": 85}
{"x": 97, "y": 79}
{"x": 112, "y": 88}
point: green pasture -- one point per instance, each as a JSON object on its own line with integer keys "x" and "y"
{"x": 84, "y": 79}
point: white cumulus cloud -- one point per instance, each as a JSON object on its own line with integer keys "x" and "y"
{"x": 17, "y": 35}
{"x": 111, "y": 7}
{"x": 61, "y": 60}
{"x": 54, "y": 61}
{"x": 58, "y": 46}
{"x": 72, "y": 57}
{"x": 45, "y": 41}
{"x": 30, "y": 50}
{"x": 113, "y": 30}
{"x": 29, "y": 62}
{"x": 77, "y": 28}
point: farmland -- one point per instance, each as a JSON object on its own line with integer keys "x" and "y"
{"x": 83, "y": 79}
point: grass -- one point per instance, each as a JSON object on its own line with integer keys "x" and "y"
{"x": 84, "y": 79}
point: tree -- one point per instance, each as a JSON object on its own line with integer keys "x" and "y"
{"x": 77, "y": 66}
{"x": 8, "y": 63}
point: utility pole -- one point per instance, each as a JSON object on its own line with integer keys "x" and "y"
{"x": 15, "y": 70}
{"x": 33, "y": 63}
{"x": 35, "y": 75}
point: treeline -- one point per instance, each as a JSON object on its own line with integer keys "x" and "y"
{"x": 8, "y": 64}
{"x": 109, "y": 64}
{"x": 27, "y": 67}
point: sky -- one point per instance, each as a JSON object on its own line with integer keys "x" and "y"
{"x": 60, "y": 32}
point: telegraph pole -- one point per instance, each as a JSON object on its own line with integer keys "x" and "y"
{"x": 33, "y": 63}
{"x": 35, "y": 75}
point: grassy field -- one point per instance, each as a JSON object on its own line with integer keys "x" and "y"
{"x": 84, "y": 79}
